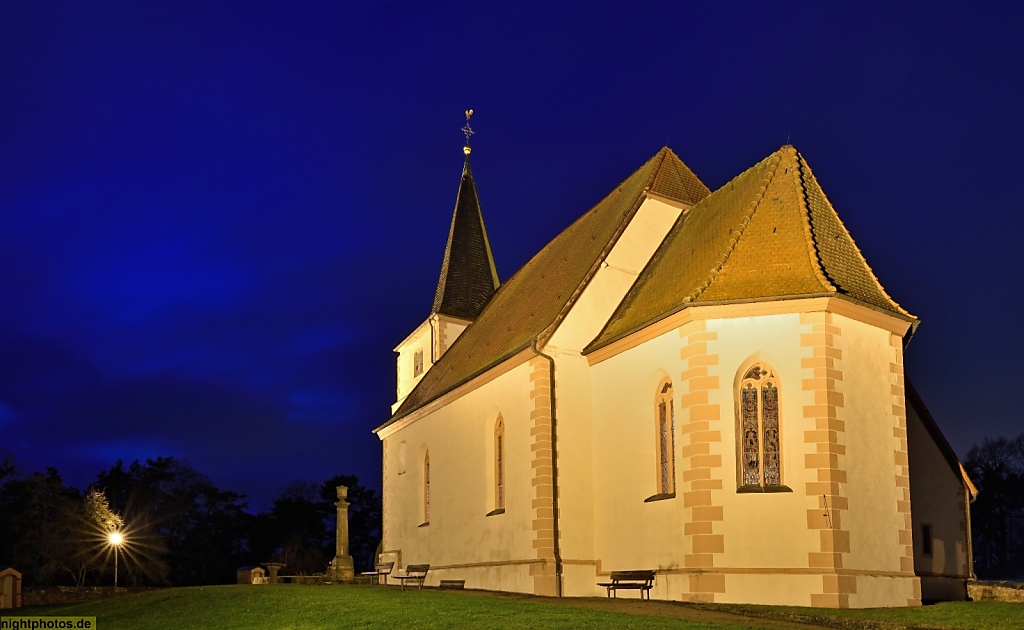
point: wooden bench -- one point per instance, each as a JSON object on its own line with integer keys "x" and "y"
{"x": 454, "y": 584}
{"x": 382, "y": 570}
{"x": 632, "y": 580}
{"x": 414, "y": 573}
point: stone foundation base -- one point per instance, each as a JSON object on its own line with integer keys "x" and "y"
{"x": 342, "y": 569}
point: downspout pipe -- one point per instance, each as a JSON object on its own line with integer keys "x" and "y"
{"x": 554, "y": 468}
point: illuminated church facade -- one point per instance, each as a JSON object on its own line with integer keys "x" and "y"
{"x": 705, "y": 384}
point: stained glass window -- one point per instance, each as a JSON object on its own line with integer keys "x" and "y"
{"x": 754, "y": 373}
{"x": 751, "y": 441}
{"x": 770, "y": 428}
{"x": 760, "y": 448}
{"x": 666, "y": 429}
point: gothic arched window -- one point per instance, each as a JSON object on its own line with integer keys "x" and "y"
{"x": 499, "y": 464}
{"x": 760, "y": 448}
{"x": 426, "y": 487}
{"x": 665, "y": 425}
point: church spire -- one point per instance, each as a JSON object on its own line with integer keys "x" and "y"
{"x": 468, "y": 275}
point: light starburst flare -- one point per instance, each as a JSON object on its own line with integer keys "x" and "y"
{"x": 116, "y": 539}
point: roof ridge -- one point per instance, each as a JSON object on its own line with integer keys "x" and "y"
{"x": 672, "y": 178}
{"x": 814, "y": 251}
{"x": 731, "y": 247}
{"x": 807, "y": 174}
{"x": 915, "y": 400}
{"x": 548, "y": 331}
{"x": 545, "y": 335}
{"x": 654, "y": 163}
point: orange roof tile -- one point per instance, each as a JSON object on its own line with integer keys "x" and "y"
{"x": 769, "y": 233}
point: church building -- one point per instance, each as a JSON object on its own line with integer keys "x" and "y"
{"x": 705, "y": 384}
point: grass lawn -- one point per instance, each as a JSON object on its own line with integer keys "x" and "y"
{"x": 378, "y": 607}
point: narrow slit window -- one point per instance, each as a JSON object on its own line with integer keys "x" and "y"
{"x": 499, "y": 464}
{"x": 666, "y": 428}
{"x": 426, "y": 487}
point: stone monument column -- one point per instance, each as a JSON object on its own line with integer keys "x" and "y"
{"x": 342, "y": 566}
{"x": 273, "y": 567}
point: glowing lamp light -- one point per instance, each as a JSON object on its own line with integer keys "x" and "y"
{"x": 116, "y": 539}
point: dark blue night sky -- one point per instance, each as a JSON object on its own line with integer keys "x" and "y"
{"x": 218, "y": 218}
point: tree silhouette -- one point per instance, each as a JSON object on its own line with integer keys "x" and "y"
{"x": 997, "y": 516}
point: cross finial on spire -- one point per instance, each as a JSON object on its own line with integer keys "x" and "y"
{"x": 468, "y": 131}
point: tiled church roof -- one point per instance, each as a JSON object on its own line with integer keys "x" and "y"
{"x": 531, "y": 304}
{"x": 468, "y": 275}
{"x": 769, "y": 233}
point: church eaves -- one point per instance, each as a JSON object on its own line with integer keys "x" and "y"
{"x": 468, "y": 274}
{"x": 770, "y": 233}
{"x": 531, "y": 304}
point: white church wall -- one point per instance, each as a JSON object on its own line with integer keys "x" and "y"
{"x": 461, "y": 541}
{"x": 448, "y": 330}
{"x": 712, "y": 543}
{"x": 939, "y": 502}
{"x": 575, "y": 482}
{"x": 871, "y": 446}
{"x": 877, "y": 477}
{"x": 632, "y": 534}
{"x": 617, "y": 273}
{"x": 418, "y": 341}
{"x": 578, "y": 487}
{"x": 750, "y": 520}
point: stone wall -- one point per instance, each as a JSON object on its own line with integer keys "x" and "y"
{"x": 997, "y": 591}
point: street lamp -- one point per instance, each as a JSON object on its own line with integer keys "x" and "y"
{"x": 115, "y": 539}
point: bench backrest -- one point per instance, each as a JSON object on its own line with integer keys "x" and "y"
{"x": 633, "y": 576}
{"x": 384, "y": 568}
{"x": 416, "y": 569}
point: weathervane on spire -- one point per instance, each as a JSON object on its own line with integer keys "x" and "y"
{"x": 468, "y": 131}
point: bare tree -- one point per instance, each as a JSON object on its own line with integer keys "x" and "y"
{"x": 997, "y": 516}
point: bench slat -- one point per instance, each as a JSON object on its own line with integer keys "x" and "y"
{"x": 630, "y": 580}
{"x": 414, "y": 572}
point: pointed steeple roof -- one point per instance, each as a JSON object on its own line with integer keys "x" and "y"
{"x": 468, "y": 275}
{"x": 770, "y": 233}
{"x": 531, "y": 304}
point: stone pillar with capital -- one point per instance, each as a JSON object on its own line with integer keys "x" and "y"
{"x": 342, "y": 568}
{"x": 273, "y": 567}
